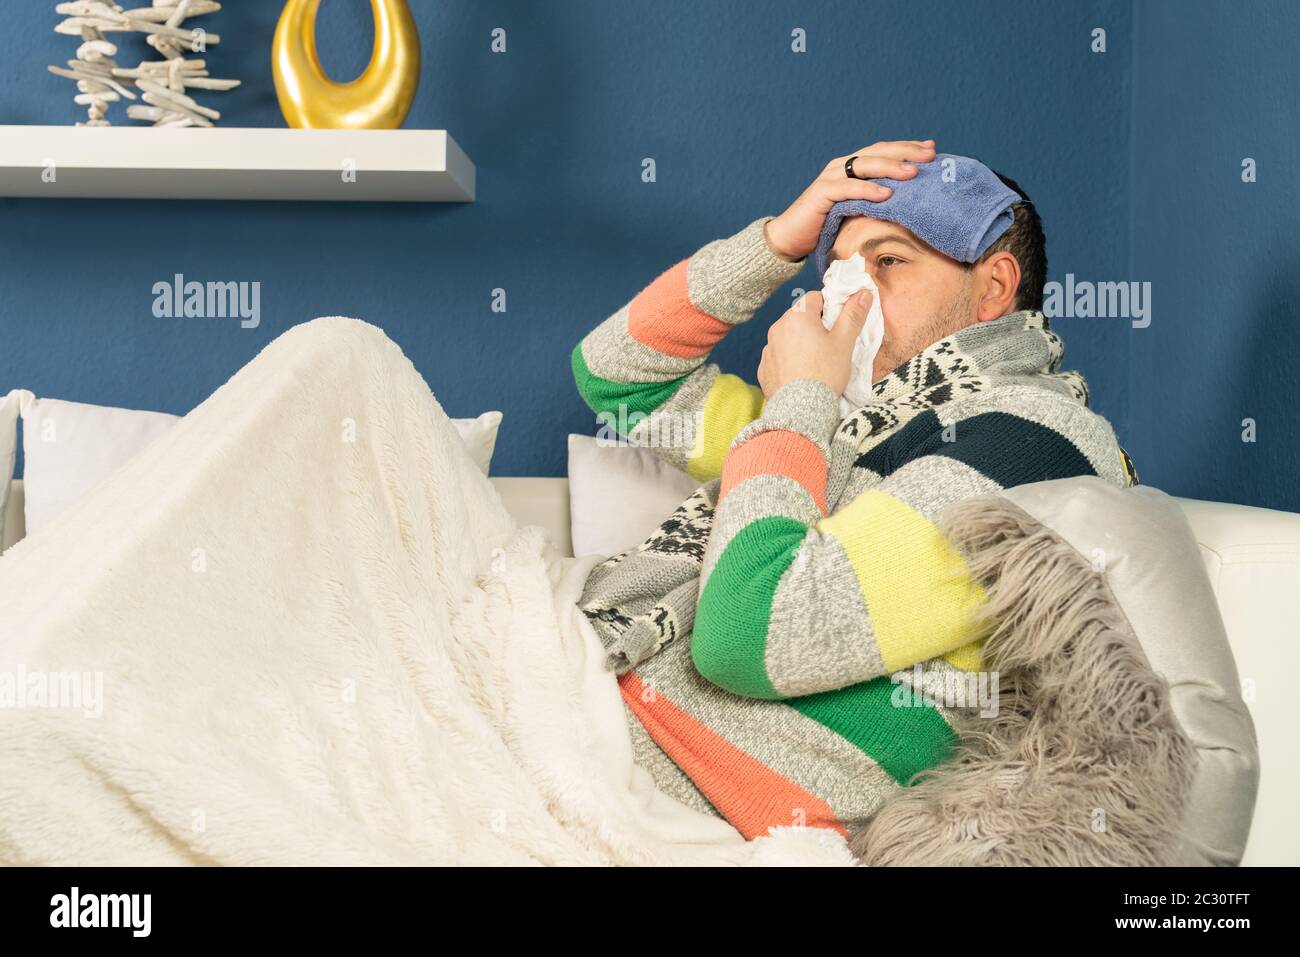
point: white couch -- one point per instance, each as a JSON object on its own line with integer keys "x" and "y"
{"x": 1253, "y": 559}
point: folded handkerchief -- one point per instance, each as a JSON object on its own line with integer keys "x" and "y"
{"x": 954, "y": 203}
{"x": 842, "y": 280}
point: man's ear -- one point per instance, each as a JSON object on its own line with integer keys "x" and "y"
{"x": 998, "y": 278}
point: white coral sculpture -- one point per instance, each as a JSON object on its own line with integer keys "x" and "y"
{"x": 161, "y": 84}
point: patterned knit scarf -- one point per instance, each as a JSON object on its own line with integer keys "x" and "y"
{"x": 643, "y": 598}
{"x": 1016, "y": 346}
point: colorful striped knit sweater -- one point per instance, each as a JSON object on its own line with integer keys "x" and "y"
{"x": 807, "y": 569}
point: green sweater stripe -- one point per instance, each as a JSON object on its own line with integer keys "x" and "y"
{"x": 904, "y": 739}
{"x": 607, "y": 396}
{"x": 730, "y": 634}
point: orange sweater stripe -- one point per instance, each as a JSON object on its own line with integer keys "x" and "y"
{"x": 750, "y": 795}
{"x": 663, "y": 318}
{"x": 777, "y": 452}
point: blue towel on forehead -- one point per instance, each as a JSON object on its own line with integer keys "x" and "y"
{"x": 954, "y": 203}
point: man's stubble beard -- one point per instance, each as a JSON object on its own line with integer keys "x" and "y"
{"x": 957, "y": 314}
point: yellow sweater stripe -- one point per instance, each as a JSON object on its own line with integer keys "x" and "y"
{"x": 730, "y": 404}
{"x": 917, "y": 587}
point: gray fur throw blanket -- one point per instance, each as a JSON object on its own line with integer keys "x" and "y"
{"x": 1085, "y": 762}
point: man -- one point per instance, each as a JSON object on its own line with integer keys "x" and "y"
{"x": 763, "y": 633}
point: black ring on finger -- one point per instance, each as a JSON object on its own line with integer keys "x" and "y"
{"x": 848, "y": 168}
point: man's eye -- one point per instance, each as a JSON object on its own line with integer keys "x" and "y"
{"x": 887, "y": 261}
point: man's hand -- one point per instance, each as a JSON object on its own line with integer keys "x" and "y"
{"x": 800, "y": 347}
{"x": 794, "y": 233}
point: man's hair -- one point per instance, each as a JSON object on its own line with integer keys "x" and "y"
{"x": 1023, "y": 239}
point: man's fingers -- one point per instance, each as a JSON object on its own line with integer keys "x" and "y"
{"x": 913, "y": 151}
{"x": 810, "y": 303}
{"x": 834, "y": 190}
{"x": 920, "y": 150}
{"x": 867, "y": 166}
{"x": 853, "y": 316}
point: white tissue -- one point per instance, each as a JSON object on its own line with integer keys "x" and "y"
{"x": 842, "y": 280}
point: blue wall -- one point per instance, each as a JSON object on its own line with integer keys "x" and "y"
{"x": 558, "y": 127}
{"x": 1217, "y": 83}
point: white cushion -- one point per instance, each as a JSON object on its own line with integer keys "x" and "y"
{"x": 619, "y": 494}
{"x": 1154, "y": 567}
{"x": 480, "y": 437}
{"x": 9, "y": 405}
{"x": 1252, "y": 556}
{"x": 69, "y": 447}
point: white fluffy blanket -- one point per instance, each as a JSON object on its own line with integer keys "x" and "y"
{"x": 321, "y": 640}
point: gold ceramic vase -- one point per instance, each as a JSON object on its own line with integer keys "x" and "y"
{"x": 378, "y": 99}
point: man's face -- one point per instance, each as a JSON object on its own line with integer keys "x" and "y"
{"x": 924, "y": 294}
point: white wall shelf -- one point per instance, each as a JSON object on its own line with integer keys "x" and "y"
{"x": 128, "y": 162}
